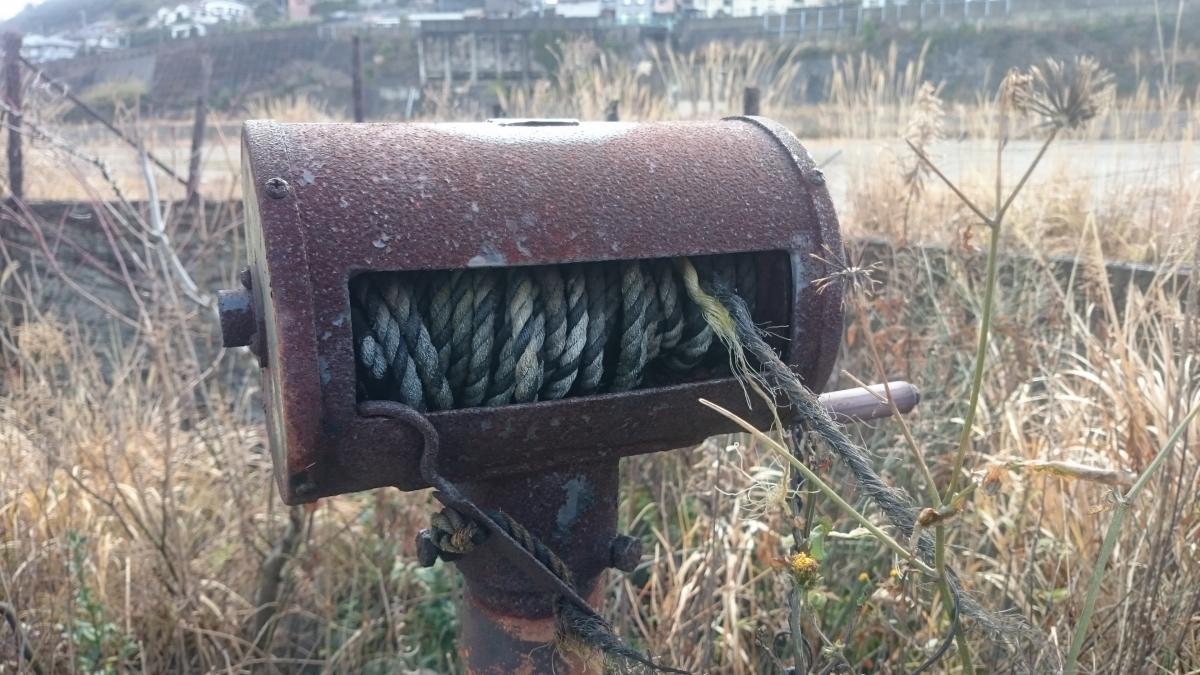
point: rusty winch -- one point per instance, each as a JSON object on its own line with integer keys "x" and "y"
{"x": 498, "y": 311}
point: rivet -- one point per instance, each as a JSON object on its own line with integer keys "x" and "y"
{"x": 277, "y": 188}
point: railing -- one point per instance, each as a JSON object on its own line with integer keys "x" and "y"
{"x": 852, "y": 18}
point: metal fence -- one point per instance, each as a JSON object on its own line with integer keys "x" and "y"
{"x": 852, "y": 18}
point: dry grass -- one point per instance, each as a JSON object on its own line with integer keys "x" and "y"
{"x": 137, "y": 516}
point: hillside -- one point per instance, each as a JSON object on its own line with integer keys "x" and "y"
{"x": 53, "y": 16}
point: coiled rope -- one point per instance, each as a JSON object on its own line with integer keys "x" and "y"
{"x": 492, "y": 337}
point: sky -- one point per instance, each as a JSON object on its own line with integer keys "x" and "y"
{"x": 9, "y": 8}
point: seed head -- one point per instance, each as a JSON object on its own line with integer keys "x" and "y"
{"x": 1063, "y": 95}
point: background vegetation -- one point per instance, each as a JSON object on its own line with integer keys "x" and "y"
{"x": 139, "y": 531}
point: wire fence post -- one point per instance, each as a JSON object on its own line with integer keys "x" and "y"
{"x": 65, "y": 91}
{"x": 198, "y": 127}
{"x": 751, "y": 100}
{"x": 12, "y": 97}
{"x": 360, "y": 101}
{"x": 612, "y": 112}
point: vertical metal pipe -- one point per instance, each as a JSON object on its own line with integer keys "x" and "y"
{"x": 525, "y": 66}
{"x": 356, "y": 68}
{"x": 474, "y": 58}
{"x": 751, "y": 100}
{"x": 507, "y": 623}
{"x": 12, "y": 97}
{"x": 496, "y": 58}
{"x": 422, "y": 74}
{"x": 199, "y": 122}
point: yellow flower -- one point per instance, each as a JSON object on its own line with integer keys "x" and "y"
{"x": 805, "y": 568}
{"x": 863, "y": 577}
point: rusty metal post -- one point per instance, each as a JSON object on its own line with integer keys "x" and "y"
{"x": 198, "y": 127}
{"x": 751, "y": 99}
{"x": 360, "y": 102}
{"x": 12, "y": 97}
{"x": 508, "y": 622}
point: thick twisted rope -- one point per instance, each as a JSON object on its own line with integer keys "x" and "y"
{"x": 466, "y": 338}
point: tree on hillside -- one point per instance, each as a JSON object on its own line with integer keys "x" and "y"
{"x": 268, "y": 11}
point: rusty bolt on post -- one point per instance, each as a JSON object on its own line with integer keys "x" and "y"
{"x": 625, "y": 553}
{"x": 277, "y": 188}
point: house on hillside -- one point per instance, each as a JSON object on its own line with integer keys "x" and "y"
{"x": 227, "y": 10}
{"x": 585, "y": 9}
{"x": 101, "y": 36}
{"x": 635, "y": 12}
{"x": 42, "y": 48}
{"x": 196, "y": 19}
{"x": 706, "y": 9}
{"x": 760, "y": 7}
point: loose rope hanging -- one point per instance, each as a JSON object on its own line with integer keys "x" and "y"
{"x": 579, "y": 329}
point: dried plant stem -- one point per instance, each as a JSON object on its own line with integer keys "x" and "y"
{"x": 1124, "y": 503}
{"x": 995, "y": 224}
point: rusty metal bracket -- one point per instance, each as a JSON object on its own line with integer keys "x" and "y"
{"x": 451, "y": 497}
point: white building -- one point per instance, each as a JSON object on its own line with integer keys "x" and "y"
{"x": 227, "y": 10}
{"x": 759, "y": 7}
{"x": 708, "y": 8}
{"x": 634, "y": 11}
{"x": 195, "y": 19}
{"x": 41, "y": 48}
{"x": 587, "y": 9}
{"x": 102, "y": 36}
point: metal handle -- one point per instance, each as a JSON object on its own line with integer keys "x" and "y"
{"x": 869, "y": 403}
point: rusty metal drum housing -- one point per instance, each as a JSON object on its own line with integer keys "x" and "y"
{"x": 325, "y": 202}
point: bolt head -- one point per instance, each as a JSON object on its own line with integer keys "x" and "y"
{"x": 238, "y": 323}
{"x": 277, "y": 188}
{"x": 625, "y": 553}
